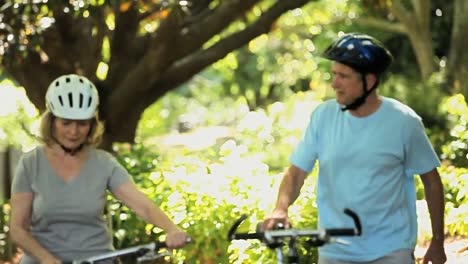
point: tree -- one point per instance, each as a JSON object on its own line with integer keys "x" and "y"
{"x": 146, "y": 48}
{"x": 414, "y": 19}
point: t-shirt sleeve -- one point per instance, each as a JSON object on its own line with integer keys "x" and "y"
{"x": 420, "y": 156}
{"x": 306, "y": 152}
{"x": 22, "y": 178}
{"x": 119, "y": 175}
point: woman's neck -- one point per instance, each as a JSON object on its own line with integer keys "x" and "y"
{"x": 57, "y": 151}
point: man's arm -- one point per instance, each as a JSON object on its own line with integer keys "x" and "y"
{"x": 290, "y": 187}
{"x": 434, "y": 193}
{"x": 289, "y": 190}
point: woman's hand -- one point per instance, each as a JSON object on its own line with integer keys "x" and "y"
{"x": 177, "y": 239}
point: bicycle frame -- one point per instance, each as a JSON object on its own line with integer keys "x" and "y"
{"x": 274, "y": 238}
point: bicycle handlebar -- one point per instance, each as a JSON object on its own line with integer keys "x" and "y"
{"x": 271, "y": 236}
{"x": 137, "y": 251}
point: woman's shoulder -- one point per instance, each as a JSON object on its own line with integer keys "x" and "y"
{"x": 102, "y": 156}
{"x": 33, "y": 154}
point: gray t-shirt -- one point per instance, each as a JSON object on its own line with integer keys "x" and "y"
{"x": 67, "y": 217}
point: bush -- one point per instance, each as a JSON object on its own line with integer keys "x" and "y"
{"x": 206, "y": 191}
{"x": 456, "y": 148}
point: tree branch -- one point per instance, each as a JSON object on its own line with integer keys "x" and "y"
{"x": 382, "y": 24}
{"x": 422, "y": 9}
{"x": 197, "y": 34}
{"x": 183, "y": 70}
{"x": 166, "y": 47}
{"x": 402, "y": 14}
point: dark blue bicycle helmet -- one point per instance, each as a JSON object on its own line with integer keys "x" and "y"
{"x": 363, "y": 53}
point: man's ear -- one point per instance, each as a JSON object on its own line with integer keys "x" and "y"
{"x": 371, "y": 80}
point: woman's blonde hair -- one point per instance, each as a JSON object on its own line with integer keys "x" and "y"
{"x": 47, "y": 130}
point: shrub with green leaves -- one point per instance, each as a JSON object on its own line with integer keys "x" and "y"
{"x": 205, "y": 197}
{"x": 456, "y": 148}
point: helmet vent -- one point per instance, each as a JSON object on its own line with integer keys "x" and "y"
{"x": 70, "y": 99}
{"x": 57, "y": 83}
{"x": 81, "y": 100}
{"x": 51, "y": 106}
{"x": 60, "y": 99}
{"x": 67, "y": 79}
{"x": 89, "y": 101}
{"x": 81, "y": 80}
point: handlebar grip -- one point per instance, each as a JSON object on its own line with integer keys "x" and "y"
{"x": 162, "y": 244}
{"x": 159, "y": 244}
{"x": 342, "y": 232}
{"x": 258, "y": 235}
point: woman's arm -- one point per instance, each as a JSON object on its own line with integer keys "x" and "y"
{"x": 133, "y": 198}
{"x": 21, "y": 204}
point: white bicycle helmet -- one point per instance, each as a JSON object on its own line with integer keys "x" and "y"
{"x": 72, "y": 97}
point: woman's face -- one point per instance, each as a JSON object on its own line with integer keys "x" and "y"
{"x": 71, "y": 133}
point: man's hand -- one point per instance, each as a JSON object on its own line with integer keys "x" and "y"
{"x": 435, "y": 254}
{"x": 277, "y": 217}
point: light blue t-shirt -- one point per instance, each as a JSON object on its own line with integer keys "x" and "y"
{"x": 367, "y": 165}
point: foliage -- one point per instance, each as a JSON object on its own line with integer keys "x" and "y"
{"x": 203, "y": 198}
{"x": 136, "y": 51}
{"x": 456, "y": 148}
{"x": 17, "y": 118}
{"x": 285, "y": 61}
{"x": 206, "y": 191}
{"x": 196, "y": 104}
{"x": 455, "y": 182}
{"x": 455, "y": 185}
{"x": 215, "y": 180}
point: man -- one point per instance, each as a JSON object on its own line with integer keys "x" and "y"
{"x": 368, "y": 148}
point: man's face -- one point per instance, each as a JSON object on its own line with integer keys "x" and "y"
{"x": 347, "y": 83}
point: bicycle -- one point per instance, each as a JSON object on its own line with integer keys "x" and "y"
{"x": 140, "y": 253}
{"x": 276, "y": 239}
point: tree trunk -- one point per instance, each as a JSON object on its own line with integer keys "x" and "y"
{"x": 457, "y": 62}
{"x": 417, "y": 24}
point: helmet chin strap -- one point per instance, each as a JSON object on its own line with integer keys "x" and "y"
{"x": 70, "y": 151}
{"x": 361, "y": 99}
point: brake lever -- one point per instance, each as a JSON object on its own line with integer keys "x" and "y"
{"x": 339, "y": 241}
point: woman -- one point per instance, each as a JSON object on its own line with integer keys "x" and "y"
{"x": 59, "y": 189}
